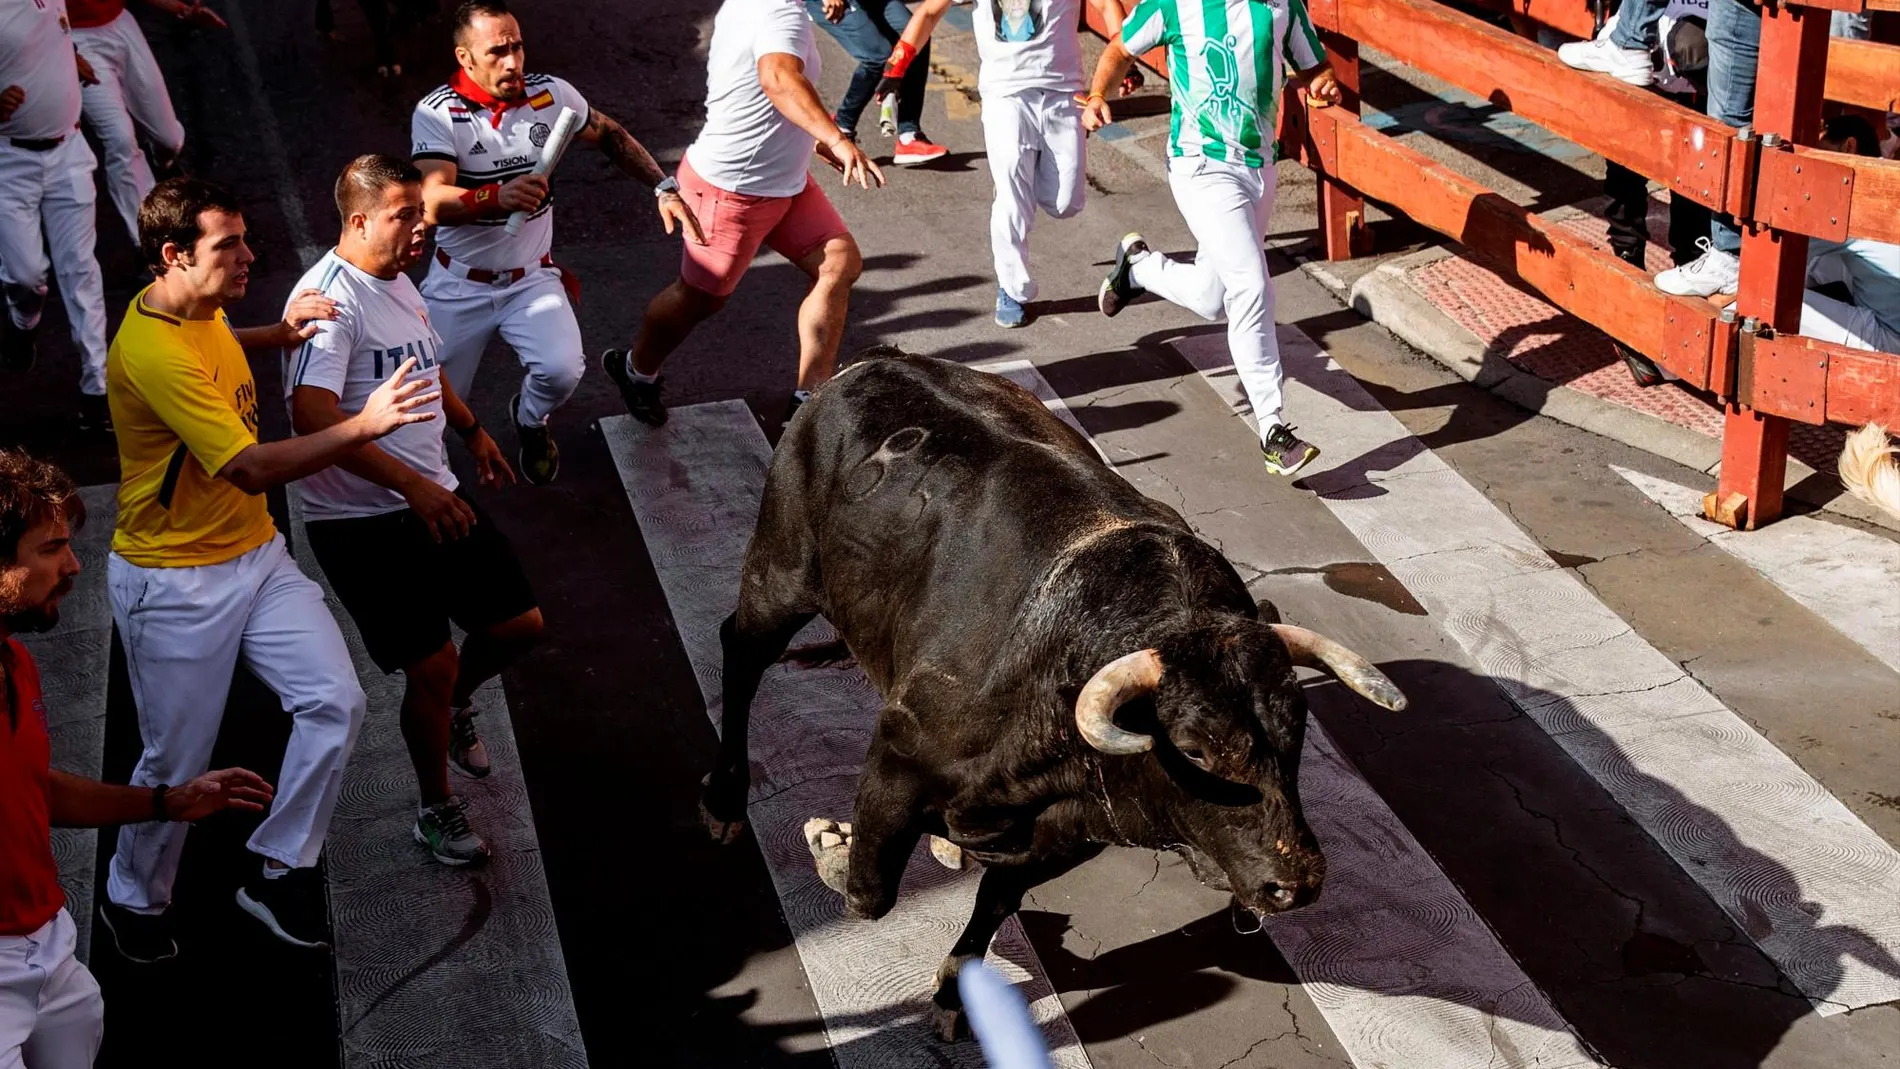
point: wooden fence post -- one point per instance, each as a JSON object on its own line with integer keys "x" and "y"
{"x": 1342, "y": 212}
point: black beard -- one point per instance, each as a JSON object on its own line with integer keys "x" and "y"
{"x": 30, "y": 622}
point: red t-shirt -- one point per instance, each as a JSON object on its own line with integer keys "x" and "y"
{"x": 85, "y": 14}
{"x": 29, "y": 880}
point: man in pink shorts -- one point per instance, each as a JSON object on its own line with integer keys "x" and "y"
{"x": 748, "y": 181}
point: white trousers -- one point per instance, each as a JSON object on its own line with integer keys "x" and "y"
{"x": 1826, "y": 319}
{"x": 47, "y": 198}
{"x": 533, "y": 317}
{"x": 1227, "y": 206}
{"x": 51, "y": 1013}
{"x": 1035, "y": 143}
{"x": 131, "y": 90}
{"x": 184, "y": 630}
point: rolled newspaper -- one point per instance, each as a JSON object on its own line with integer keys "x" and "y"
{"x": 565, "y": 124}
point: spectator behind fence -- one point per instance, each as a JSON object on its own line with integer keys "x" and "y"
{"x": 1868, "y": 270}
{"x": 51, "y": 1013}
{"x": 199, "y": 576}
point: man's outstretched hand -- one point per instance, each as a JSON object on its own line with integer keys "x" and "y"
{"x": 215, "y": 792}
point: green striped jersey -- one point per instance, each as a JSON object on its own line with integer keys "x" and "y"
{"x": 1226, "y": 61}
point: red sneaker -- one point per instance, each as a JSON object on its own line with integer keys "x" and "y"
{"x": 913, "y": 149}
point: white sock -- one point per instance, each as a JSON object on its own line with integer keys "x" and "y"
{"x": 638, "y": 377}
{"x": 274, "y": 874}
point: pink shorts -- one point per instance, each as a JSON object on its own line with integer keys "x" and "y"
{"x": 735, "y": 225}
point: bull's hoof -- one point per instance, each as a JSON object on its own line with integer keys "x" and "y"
{"x": 830, "y": 844}
{"x": 724, "y": 832}
{"x": 948, "y": 1025}
{"x": 948, "y": 854}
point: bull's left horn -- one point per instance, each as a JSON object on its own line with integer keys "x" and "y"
{"x": 1121, "y": 680}
{"x": 1314, "y": 650}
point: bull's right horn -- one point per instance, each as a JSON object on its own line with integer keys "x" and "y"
{"x": 1122, "y": 680}
{"x": 1314, "y": 650}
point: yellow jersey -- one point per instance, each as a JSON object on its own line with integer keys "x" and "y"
{"x": 184, "y": 404}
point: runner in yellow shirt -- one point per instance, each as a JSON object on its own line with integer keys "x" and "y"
{"x": 199, "y": 576}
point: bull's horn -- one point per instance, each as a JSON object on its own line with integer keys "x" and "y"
{"x": 1314, "y": 650}
{"x": 1122, "y": 680}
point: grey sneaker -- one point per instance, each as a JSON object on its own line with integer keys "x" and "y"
{"x": 1283, "y": 453}
{"x": 641, "y": 398}
{"x": 1119, "y": 287}
{"x": 443, "y": 828}
{"x": 466, "y": 751}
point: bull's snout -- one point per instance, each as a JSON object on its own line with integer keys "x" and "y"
{"x": 1280, "y": 897}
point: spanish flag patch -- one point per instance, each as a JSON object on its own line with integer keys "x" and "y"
{"x": 543, "y": 99}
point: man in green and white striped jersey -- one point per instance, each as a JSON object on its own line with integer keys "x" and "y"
{"x": 1226, "y": 62}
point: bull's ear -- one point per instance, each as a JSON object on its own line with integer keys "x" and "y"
{"x": 1269, "y": 613}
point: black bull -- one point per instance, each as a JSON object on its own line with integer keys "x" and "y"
{"x": 1011, "y": 597}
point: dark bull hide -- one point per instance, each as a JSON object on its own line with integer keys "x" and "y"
{"x": 1064, "y": 664}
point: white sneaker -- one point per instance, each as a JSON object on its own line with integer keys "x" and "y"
{"x": 1711, "y": 273}
{"x": 1605, "y": 56}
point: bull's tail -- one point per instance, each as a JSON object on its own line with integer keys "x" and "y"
{"x": 1870, "y": 470}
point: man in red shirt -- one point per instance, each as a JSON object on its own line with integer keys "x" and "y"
{"x": 51, "y": 1015}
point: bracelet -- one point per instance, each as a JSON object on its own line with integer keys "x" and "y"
{"x": 158, "y": 803}
{"x": 482, "y": 199}
{"x": 474, "y": 427}
{"x": 902, "y": 54}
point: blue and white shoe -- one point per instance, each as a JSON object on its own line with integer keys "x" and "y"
{"x": 1009, "y": 310}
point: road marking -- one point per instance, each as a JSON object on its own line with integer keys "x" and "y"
{"x": 1848, "y": 577}
{"x": 1460, "y": 999}
{"x": 270, "y": 138}
{"x": 695, "y": 486}
{"x": 1816, "y": 889}
{"x": 75, "y": 662}
{"x": 420, "y": 947}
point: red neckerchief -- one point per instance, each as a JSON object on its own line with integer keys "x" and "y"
{"x": 475, "y": 94}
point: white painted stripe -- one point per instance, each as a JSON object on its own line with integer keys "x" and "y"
{"x": 420, "y": 947}
{"x": 1461, "y": 1000}
{"x": 1847, "y": 576}
{"x": 1816, "y": 889}
{"x": 75, "y": 662}
{"x": 695, "y": 485}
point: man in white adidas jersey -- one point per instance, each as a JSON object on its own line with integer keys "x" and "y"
{"x": 476, "y": 139}
{"x": 1030, "y": 72}
{"x": 1226, "y": 60}
{"x": 404, "y": 548}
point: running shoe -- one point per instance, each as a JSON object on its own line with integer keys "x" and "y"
{"x": 1284, "y": 454}
{"x": 140, "y": 938}
{"x": 641, "y": 398}
{"x": 538, "y": 458}
{"x": 1711, "y": 273}
{"x": 1119, "y": 287}
{"x": 443, "y": 828}
{"x": 466, "y": 750}
{"x": 1604, "y": 56}
{"x": 291, "y": 906}
{"x": 1009, "y": 311}
{"x": 913, "y": 149}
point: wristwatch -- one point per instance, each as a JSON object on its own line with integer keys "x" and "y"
{"x": 669, "y": 184}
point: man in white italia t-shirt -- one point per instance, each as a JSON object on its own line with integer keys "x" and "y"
{"x": 404, "y": 548}
{"x": 1031, "y": 70}
{"x": 748, "y": 180}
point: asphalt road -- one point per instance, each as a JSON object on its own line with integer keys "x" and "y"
{"x": 678, "y": 951}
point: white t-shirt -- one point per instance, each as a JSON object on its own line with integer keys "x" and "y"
{"x": 446, "y": 126}
{"x": 379, "y": 324}
{"x": 36, "y": 54}
{"x": 747, "y": 146}
{"x": 1028, "y": 44}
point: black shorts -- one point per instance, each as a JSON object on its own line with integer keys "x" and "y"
{"x": 402, "y": 587}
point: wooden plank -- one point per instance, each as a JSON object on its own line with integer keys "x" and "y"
{"x": 1567, "y": 269}
{"x": 1862, "y": 386}
{"x": 1571, "y": 16}
{"x": 1815, "y": 381}
{"x": 1651, "y": 136}
{"x": 1874, "y": 211}
{"x": 1863, "y": 73}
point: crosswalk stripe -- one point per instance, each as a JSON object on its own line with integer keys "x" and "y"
{"x": 75, "y": 662}
{"x": 1817, "y": 890}
{"x": 419, "y": 947}
{"x": 695, "y": 485}
{"x": 1460, "y": 999}
{"x": 1848, "y": 577}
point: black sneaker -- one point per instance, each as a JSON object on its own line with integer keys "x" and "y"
{"x": 642, "y": 398}
{"x": 1119, "y": 287}
{"x": 19, "y": 347}
{"x": 1642, "y": 369}
{"x": 1284, "y": 454}
{"x": 95, "y": 416}
{"x": 140, "y": 938}
{"x": 292, "y": 906}
{"x": 538, "y": 458}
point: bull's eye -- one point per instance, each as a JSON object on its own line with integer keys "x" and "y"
{"x": 1195, "y": 754}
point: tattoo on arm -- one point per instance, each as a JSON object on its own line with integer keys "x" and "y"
{"x": 619, "y": 146}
